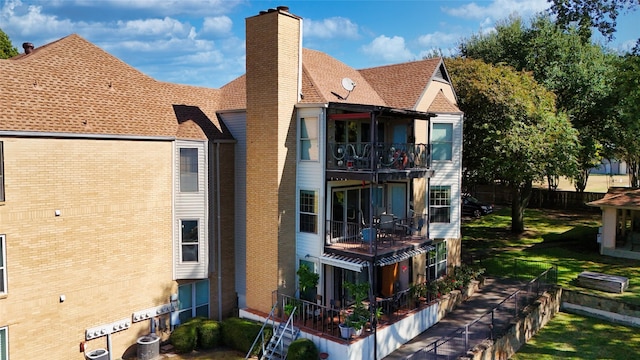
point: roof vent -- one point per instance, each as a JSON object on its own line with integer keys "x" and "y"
{"x": 28, "y": 47}
{"x": 283, "y": 8}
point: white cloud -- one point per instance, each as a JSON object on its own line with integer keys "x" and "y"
{"x": 219, "y": 25}
{"x": 162, "y": 7}
{"x": 153, "y": 27}
{"x": 388, "y": 49}
{"x": 438, "y": 39}
{"x": 498, "y": 9}
{"x": 15, "y": 19}
{"x": 335, "y": 27}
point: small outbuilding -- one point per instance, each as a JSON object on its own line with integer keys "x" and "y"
{"x": 619, "y": 235}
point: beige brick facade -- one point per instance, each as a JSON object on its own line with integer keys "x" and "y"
{"x": 273, "y": 55}
{"x": 111, "y": 240}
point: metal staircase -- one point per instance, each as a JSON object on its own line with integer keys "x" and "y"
{"x": 283, "y": 335}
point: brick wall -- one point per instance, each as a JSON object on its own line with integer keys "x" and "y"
{"x": 112, "y": 239}
{"x": 273, "y": 48}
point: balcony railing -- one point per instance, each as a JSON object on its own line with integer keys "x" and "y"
{"x": 391, "y": 156}
{"x": 387, "y": 231}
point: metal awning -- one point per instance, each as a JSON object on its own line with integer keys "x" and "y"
{"x": 343, "y": 262}
{"x": 396, "y": 258}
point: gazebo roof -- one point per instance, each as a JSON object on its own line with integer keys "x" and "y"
{"x": 619, "y": 197}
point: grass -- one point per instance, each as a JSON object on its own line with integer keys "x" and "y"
{"x": 559, "y": 237}
{"x": 218, "y": 354}
{"x": 570, "y": 336}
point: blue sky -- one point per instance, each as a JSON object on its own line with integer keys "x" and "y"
{"x": 201, "y": 42}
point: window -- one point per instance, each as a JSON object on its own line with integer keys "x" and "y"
{"x": 309, "y": 138}
{"x": 4, "y": 343}
{"x": 3, "y": 267}
{"x": 437, "y": 261}
{"x": 193, "y": 300}
{"x": 308, "y": 211}
{"x": 189, "y": 240}
{"x": 442, "y": 141}
{"x": 1, "y": 173}
{"x": 188, "y": 170}
{"x": 440, "y": 204}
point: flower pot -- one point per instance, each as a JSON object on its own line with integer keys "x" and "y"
{"x": 355, "y": 332}
{"x": 345, "y": 331}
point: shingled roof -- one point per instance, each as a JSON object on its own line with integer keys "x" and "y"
{"x": 619, "y": 197}
{"x": 71, "y": 86}
{"x": 398, "y": 86}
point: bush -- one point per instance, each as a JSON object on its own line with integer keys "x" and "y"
{"x": 239, "y": 334}
{"x": 209, "y": 334}
{"x": 184, "y": 338}
{"x": 303, "y": 349}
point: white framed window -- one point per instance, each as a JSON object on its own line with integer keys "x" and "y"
{"x": 309, "y": 138}
{"x": 3, "y": 267}
{"x": 308, "y": 211}
{"x": 193, "y": 300}
{"x": 442, "y": 141}
{"x": 1, "y": 171}
{"x": 437, "y": 261}
{"x": 189, "y": 240}
{"x": 440, "y": 204}
{"x": 4, "y": 343}
{"x": 188, "y": 170}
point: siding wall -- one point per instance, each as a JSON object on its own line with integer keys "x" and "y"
{"x": 237, "y": 123}
{"x": 192, "y": 206}
{"x": 449, "y": 173}
{"x": 112, "y": 239}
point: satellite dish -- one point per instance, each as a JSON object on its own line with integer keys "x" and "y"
{"x": 348, "y": 84}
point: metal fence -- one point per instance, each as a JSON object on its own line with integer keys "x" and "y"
{"x": 492, "y": 324}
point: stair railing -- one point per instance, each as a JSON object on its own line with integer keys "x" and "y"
{"x": 279, "y": 343}
{"x": 260, "y": 335}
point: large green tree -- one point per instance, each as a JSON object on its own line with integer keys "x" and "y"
{"x": 626, "y": 125}
{"x": 6, "y": 49}
{"x": 588, "y": 14}
{"x": 512, "y": 133}
{"x": 576, "y": 71}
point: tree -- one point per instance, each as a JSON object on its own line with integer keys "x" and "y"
{"x": 577, "y": 72}
{"x": 6, "y": 49}
{"x": 512, "y": 133}
{"x": 626, "y": 124}
{"x": 599, "y": 14}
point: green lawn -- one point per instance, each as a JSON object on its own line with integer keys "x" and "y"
{"x": 560, "y": 237}
{"x": 570, "y": 336}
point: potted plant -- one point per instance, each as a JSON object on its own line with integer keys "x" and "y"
{"x": 307, "y": 282}
{"x": 359, "y": 313}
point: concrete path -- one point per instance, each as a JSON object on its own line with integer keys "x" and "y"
{"x": 488, "y": 297}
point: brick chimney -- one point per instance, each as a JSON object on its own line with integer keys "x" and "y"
{"x": 273, "y": 65}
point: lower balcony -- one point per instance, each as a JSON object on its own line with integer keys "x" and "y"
{"x": 387, "y": 235}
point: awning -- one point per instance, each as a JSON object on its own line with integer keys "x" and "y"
{"x": 396, "y": 258}
{"x": 343, "y": 262}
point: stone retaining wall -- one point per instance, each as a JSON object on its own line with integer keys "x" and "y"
{"x": 602, "y": 307}
{"x": 533, "y": 318}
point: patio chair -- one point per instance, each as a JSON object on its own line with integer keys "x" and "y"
{"x": 388, "y": 225}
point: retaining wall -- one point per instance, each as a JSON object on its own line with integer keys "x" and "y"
{"x": 533, "y": 318}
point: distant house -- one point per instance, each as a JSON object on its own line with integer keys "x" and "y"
{"x": 130, "y": 205}
{"x": 620, "y": 232}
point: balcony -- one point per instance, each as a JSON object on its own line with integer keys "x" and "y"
{"x": 388, "y": 235}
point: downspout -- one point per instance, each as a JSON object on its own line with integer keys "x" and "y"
{"x": 218, "y": 232}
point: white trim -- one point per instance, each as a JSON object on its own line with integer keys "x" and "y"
{"x": 343, "y": 262}
{"x": 6, "y": 341}
{"x": 3, "y": 257}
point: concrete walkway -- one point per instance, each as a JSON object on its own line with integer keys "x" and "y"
{"x": 488, "y": 297}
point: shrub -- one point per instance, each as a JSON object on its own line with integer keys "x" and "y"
{"x": 239, "y": 334}
{"x": 184, "y": 338}
{"x": 209, "y": 334}
{"x": 302, "y": 349}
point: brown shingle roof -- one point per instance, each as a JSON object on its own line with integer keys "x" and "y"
{"x": 401, "y": 85}
{"x": 619, "y": 197}
{"x": 441, "y": 104}
{"x": 72, "y": 86}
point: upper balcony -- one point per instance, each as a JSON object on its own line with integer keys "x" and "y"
{"x": 376, "y": 144}
{"x": 388, "y": 160}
